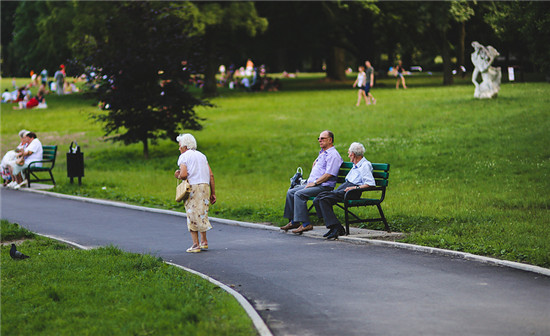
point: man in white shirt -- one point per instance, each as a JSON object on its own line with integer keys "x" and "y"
{"x": 360, "y": 176}
{"x": 32, "y": 153}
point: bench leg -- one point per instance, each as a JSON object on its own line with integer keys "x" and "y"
{"x": 383, "y": 217}
{"x": 28, "y": 177}
{"x": 346, "y": 214}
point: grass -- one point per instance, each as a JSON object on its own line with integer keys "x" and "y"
{"x": 466, "y": 174}
{"x": 104, "y": 291}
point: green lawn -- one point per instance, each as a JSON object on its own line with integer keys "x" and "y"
{"x": 63, "y": 291}
{"x": 466, "y": 174}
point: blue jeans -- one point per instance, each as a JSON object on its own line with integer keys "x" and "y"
{"x": 296, "y": 201}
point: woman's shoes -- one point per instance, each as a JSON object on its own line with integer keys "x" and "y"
{"x": 196, "y": 249}
{"x": 193, "y": 249}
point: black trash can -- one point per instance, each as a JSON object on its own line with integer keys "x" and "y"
{"x": 75, "y": 163}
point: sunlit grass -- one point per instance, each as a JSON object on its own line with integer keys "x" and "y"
{"x": 466, "y": 174}
{"x": 63, "y": 291}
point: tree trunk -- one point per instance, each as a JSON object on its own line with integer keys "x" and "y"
{"x": 145, "y": 148}
{"x": 461, "y": 47}
{"x": 210, "y": 88}
{"x": 446, "y": 55}
{"x": 336, "y": 67}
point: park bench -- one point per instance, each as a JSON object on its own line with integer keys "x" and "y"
{"x": 48, "y": 162}
{"x": 354, "y": 198}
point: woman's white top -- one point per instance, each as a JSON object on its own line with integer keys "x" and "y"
{"x": 361, "y": 79}
{"x": 197, "y": 166}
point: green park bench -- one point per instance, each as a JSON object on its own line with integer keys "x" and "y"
{"x": 48, "y": 162}
{"x": 355, "y": 199}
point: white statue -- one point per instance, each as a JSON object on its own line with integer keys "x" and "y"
{"x": 482, "y": 58}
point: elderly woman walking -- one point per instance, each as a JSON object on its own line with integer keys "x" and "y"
{"x": 195, "y": 169}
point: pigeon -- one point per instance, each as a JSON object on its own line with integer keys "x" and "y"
{"x": 16, "y": 254}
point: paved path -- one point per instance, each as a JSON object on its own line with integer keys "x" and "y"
{"x": 307, "y": 286}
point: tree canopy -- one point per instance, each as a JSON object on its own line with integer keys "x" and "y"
{"x": 140, "y": 65}
{"x": 304, "y": 36}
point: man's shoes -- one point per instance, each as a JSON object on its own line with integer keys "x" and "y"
{"x": 303, "y": 229}
{"x": 335, "y": 232}
{"x": 290, "y": 226}
{"x": 329, "y": 232}
{"x": 341, "y": 230}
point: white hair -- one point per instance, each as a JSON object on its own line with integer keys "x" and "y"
{"x": 23, "y": 132}
{"x": 357, "y": 149}
{"x": 187, "y": 140}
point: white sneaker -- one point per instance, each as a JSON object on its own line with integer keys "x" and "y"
{"x": 11, "y": 184}
{"x": 22, "y": 184}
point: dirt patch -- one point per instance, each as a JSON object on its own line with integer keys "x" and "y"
{"x": 16, "y": 242}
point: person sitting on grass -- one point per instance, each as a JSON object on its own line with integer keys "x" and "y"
{"x": 32, "y": 102}
{"x": 359, "y": 176}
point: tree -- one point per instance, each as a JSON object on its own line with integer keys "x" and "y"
{"x": 524, "y": 26}
{"x": 217, "y": 23}
{"x": 40, "y": 35}
{"x": 7, "y": 13}
{"x": 461, "y": 11}
{"x": 138, "y": 59}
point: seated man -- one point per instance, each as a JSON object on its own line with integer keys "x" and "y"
{"x": 322, "y": 178}
{"x": 360, "y": 176}
{"x": 32, "y": 153}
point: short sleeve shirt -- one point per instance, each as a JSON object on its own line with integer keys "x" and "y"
{"x": 361, "y": 173}
{"x": 37, "y": 153}
{"x": 368, "y": 73}
{"x": 328, "y": 162}
{"x": 197, "y": 166}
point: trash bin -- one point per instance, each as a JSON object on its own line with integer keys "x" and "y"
{"x": 75, "y": 163}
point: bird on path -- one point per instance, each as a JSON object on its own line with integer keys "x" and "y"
{"x": 16, "y": 254}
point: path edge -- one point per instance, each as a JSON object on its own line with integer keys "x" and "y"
{"x": 257, "y": 321}
{"x": 411, "y": 247}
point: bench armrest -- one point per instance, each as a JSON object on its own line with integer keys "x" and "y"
{"x": 36, "y": 162}
{"x": 355, "y": 194}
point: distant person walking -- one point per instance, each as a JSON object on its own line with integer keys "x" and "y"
{"x": 399, "y": 74}
{"x": 59, "y": 78}
{"x": 44, "y": 77}
{"x": 194, "y": 167}
{"x": 360, "y": 82}
{"x": 369, "y": 72}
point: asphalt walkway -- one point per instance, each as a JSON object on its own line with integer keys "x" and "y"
{"x": 304, "y": 285}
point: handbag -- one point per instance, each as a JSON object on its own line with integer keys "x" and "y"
{"x": 297, "y": 179}
{"x": 182, "y": 191}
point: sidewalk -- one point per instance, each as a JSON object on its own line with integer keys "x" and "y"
{"x": 357, "y": 235}
{"x": 306, "y": 285}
